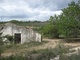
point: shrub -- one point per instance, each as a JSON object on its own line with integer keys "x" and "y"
{"x": 47, "y": 54}
{"x": 44, "y": 54}
{"x": 10, "y": 38}
{"x": 1, "y": 44}
{"x": 72, "y": 57}
{"x": 13, "y": 58}
{"x": 61, "y": 49}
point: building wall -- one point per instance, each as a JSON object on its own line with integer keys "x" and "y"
{"x": 27, "y": 35}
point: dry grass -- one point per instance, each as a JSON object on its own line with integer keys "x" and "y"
{"x": 47, "y": 43}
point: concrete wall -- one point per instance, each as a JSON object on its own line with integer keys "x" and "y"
{"x": 27, "y": 34}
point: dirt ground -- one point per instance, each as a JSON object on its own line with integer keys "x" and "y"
{"x": 53, "y": 42}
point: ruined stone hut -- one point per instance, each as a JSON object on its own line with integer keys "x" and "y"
{"x": 21, "y": 34}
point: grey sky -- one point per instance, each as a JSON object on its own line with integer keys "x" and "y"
{"x": 31, "y": 9}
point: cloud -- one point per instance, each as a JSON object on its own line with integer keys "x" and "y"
{"x": 31, "y": 9}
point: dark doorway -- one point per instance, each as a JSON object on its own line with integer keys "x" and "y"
{"x": 17, "y": 37}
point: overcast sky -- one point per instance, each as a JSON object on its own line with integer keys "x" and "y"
{"x": 26, "y": 10}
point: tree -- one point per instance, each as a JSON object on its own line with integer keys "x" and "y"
{"x": 14, "y": 21}
{"x": 50, "y": 29}
{"x": 68, "y": 25}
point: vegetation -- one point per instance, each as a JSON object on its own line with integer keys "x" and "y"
{"x": 21, "y": 48}
{"x": 43, "y": 54}
{"x": 28, "y": 23}
{"x": 65, "y": 25}
{"x": 13, "y": 58}
{"x": 50, "y": 29}
{"x": 10, "y": 38}
{"x": 1, "y": 45}
{"x": 72, "y": 57}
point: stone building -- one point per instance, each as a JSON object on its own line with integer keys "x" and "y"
{"x": 21, "y": 34}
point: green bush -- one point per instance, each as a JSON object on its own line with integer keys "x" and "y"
{"x": 10, "y": 38}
